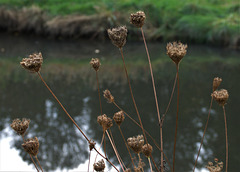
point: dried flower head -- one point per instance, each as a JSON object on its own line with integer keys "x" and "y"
{"x": 99, "y": 166}
{"x": 119, "y": 117}
{"x": 128, "y": 170}
{"x": 138, "y": 18}
{"x": 33, "y": 63}
{"x": 118, "y": 36}
{"x": 107, "y": 94}
{"x": 31, "y": 146}
{"x": 147, "y": 150}
{"x": 221, "y": 96}
{"x": 20, "y": 126}
{"x": 136, "y": 143}
{"x": 104, "y": 121}
{"x": 216, "y": 82}
{"x": 176, "y": 51}
{"x": 215, "y": 168}
{"x": 91, "y": 144}
{"x": 95, "y": 63}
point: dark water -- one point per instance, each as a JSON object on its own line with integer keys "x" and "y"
{"x": 61, "y": 144}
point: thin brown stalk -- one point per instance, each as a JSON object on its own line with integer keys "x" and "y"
{"x": 149, "y": 161}
{"x": 63, "y": 107}
{"x": 89, "y": 160}
{"x": 225, "y": 120}
{"x": 126, "y": 145}
{"x": 31, "y": 157}
{"x": 203, "y": 134}
{"x": 99, "y": 93}
{"x": 116, "y": 153}
{"x": 155, "y": 95}
{"x": 39, "y": 163}
{"x": 103, "y": 136}
{"x": 175, "y": 137}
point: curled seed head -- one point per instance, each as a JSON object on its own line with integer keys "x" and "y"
{"x": 138, "y": 18}
{"x": 20, "y": 126}
{"x": 221, "y": 96}
{"x": 95, "y": 63}
{"x": 176, "y": 51}
{"x": 216, "y": 82}
{"x": 147, "y": 150}
{"x": 136, "y": 143}
{"x": 99, "y": 166}
{"x": 118, "y": 36}
{"x": 33, "y": 63}
{"x": 107, "y": 94}
{"x": 104, "y": 121}
{"x": 91, "y": 144}
{"x": 119, "y": 117}
{"x": 31, "y": 146}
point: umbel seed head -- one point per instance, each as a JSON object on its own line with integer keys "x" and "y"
{"x": 20, "y": 126}
{"x": 33, "y": 63}
{"x": 118, "y": 36}
{"x": 95, "y": 63}
{"x": 176, "y": 51}
{"x": 216, "y": 82}
{"x": 218, "y": 167}
{"x": 136, "y": 143}
{"x": 147, "y": 150}
{"x": 31, "y": 146}
{"x": 119, "y": 117}
{"x": 107, "y": 94}
{"x": 137, "y": 19}
{"x": 104, "y": 121}
{"x": 99, "y": 166}
{"x": 221, "y": 96}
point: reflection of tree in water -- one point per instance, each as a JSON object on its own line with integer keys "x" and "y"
{"x": 62, "y": 146}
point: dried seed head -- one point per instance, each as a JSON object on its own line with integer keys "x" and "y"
{"x": 91, "y": 144}
{"x": 33, "y": 63}
{"x": 99, "y": 166}
{"x": 221, "y": 96}
{"x": 20, "y": 126}
{"x": 104, "y": 121}
{"x": 216, "y": 82}
{"x": 31, "y": 146}
{"x": 107, "y": 94}
{"x": 95, "y": 63}
{"x": 215, "y": 168}
{"x": 119, "y": 117}
{"x": 118, "y": 36}
{"x": 128, "y": 170}
{"x": 138, "y": 18}
{"x": 176, "y": 51}
{"x": 136, "y": 143}
{"x": 147, "y": 150}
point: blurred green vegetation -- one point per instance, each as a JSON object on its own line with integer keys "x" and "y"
{"x": 187, "y": 20}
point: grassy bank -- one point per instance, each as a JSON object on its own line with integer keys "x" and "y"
{"x": 205, "y": 21}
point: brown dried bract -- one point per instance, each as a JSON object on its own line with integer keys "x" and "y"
{"x": 99, "y": 166}
{"x": 136, "y": 143}
{"x": 119, "y": 117}
{"x": 218, "y": 167}
{"x": 118, "y": 36}
{"x": 107, "y": 94}
{"x": 147, "y": 150}
{"x": 221, "y": 96}
{"x": 176, "y": 51}
{"x": 95, "y": 63}
{"x": 138, "y": 18}
{"x": 104, "y": 121}
{"x": 216, "y": 82}
{"x": 91, "y": 144}
{"x": 33, "y": 63}
{"x": 20, "y": 126}
{"x": 31, "y": 146}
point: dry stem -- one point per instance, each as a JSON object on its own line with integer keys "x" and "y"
{"x": 225, "y": 119}
{"x": 39, "y": 163}
{"x": 99, "y": 93}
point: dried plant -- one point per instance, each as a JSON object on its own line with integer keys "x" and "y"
{"x": 119, "y": 117}
{"x": 216, "y": 82}
{"x": 137, "y": 19}
{"x": 118, "y": 36}
{"x": 136, "y": 143}
{"x": 95, "y": 63}
{"x": 176, "y": 51}
{"x": 33, "y": 63}
{"x": 20, "y": 126}
{"x": 221, "y": 96}
{"x": 107, "y": 94}
{"x": 99, "y": 166}
{"x": 104, "y": 121}
{"x": 215, "y": 168}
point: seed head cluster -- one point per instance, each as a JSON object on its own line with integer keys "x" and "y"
{"x": 218, "y": 167}
{"x": 176, "y": 51}
{"x": 119, "y": 117}
{"x": 31, "y": 146}
{"x": 118, "y": 36}
{"x": 104, "y": 121}
{"x": 20, "y": 126}
{"x": 221, "y": 96}
{"x": 147, "y": 150}
{"x": 107, "y": 94}
{"x": 136, "y": 143}
{"x": 99, "y": 166}
{"x": 33, "y": 63}
{"x": 216, "y": 82}
{"x": 95, "y": 63}
{"x": 137, "y": 19}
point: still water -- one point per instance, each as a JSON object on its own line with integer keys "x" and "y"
{"x": 67, "y": 71}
